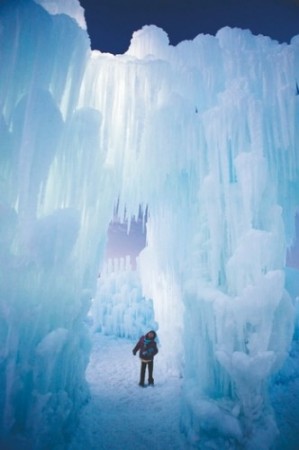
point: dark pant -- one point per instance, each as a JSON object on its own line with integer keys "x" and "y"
{"x": 150, "y": 367}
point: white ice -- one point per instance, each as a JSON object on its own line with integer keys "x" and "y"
{"x": 70, "y": 7}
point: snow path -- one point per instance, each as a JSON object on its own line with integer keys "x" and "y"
{"x": 121, "y": 415}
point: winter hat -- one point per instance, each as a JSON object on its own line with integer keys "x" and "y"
{"x": 151, "y": 332}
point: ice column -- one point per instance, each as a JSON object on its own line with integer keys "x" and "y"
{"x": 54, "y": 213}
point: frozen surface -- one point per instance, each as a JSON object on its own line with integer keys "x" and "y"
{"x": 206, "y": 134}
{"x": 120, "y": 414}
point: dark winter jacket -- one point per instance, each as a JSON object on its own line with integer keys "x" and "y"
{"x": 147, "y": 347}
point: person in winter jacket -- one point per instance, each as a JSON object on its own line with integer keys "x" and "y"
{"x": 147, "y": 350}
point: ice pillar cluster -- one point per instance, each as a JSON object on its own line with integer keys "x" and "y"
{"x": 52, "y": 227}
{"x": 219, "y": 168}
{"x": 205, "y": 134}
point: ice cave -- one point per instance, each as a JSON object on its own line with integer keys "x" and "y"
{"x": 204, "y": 133}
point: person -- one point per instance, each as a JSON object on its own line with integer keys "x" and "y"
{"x": 147, "y": 350}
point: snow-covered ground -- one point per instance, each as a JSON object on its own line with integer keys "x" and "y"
{"x": 121, "y": 415}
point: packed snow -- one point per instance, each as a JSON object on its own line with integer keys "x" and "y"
{"x": 121, "y": 414}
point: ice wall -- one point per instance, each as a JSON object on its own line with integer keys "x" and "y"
{"x": 230, "y": 212}
{"x": 205, "y": 133}
{"x": 52, "y": 231}
{"x": 119, "y": 308}
{"x": 233, "y": 212}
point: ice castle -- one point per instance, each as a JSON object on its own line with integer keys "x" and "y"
{"x": 206, "y": 134}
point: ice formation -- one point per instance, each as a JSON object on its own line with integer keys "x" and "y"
{"x": 119, "y": 308}
{"x": 70, "y": 7}
{"x": 206, "y": 134}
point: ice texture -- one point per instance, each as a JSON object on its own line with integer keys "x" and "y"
{"x": 206, "y": 134}
{"x": 44, "y": 341}
{"x": 70, "y": 7}
{"x": 119, "y": 308}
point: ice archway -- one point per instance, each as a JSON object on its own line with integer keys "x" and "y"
{"x": 205, "y": 133}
